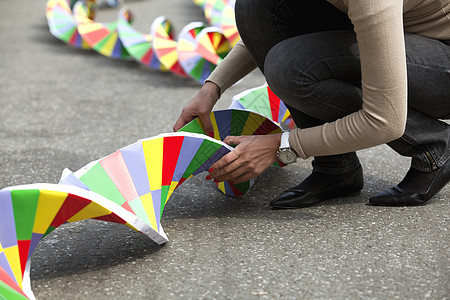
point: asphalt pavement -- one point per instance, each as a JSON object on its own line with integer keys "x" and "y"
{"x": 64, "y": 107}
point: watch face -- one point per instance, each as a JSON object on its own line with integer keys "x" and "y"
{"x": 287, "y": 157}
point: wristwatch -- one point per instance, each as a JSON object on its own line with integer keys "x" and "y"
{"x": 285, "y": 153}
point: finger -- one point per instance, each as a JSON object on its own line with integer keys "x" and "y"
{"x": 233, "y": 140}
{"x": 219, "y": 167}
{"x": 207, "y": 124}
{"x": 235, "y": 170}
{"x": 181, "y": 122}
{"x": 243, "y": 178}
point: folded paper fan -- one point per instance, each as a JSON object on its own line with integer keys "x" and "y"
{"x": 138, "y": 45}
{"x": 262, "y": 100}
{"x": 235, "y": 122}
{"x": 200, "y": 52}
{"x": 62, "y": 24}
{"x": 131, "y": 187}
{"x": 165, "y": 46}
{"x": 102, "y": 37}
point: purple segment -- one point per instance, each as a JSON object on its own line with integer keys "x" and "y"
{"x": 133, "y": 156}
{"x": 35, "y": 239}
{"x": 223, "y": 119}
{"x": 282, "y": 111}
{"x": 8, "y": 237}
{"x": 117, "y": 52}
{"x": 210, "y": 161}
{"x": 237, "y": 105}
{"x": 74, "y": 181}
{"x": 156, "y": 197}
{"x": 188, "y": 150}
{"x": 228, "y": 189}
{"x": 5, "y": 265}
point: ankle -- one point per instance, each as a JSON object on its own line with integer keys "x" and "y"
{"x": 416, "y": 181}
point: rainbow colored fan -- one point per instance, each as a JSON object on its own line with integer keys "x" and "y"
{"x": 62, "y": 24}
{"x": 164, "y": 45}
{"x": 102, "y": 37}
{"x": 138, "y": 45}
{"x": 227, "y": 23}
{"x": 130, "y": 186}
{"x": 201, "y": 49}
{"x": 262, "y": 100}
{"x": 235, "y": 122}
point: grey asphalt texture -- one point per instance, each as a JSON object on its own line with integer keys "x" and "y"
{"x": 63, "y": 107}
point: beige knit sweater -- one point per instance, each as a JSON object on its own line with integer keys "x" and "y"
{"x": 379, "y": 27}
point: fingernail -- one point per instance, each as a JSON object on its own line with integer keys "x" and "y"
{"x": 208, "y": 177}
{"x": 211, "y": 170}
{"x": 216, "y": 181}
{"x": 231, "y": 181}
{"x": 211, "y": 134}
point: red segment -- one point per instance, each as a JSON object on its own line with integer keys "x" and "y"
{"x": 112, "y": 218}
{"x": 4, "y": 276}
{"x": 266, "y": 127}
{"x": 147, "y": 57}
{"x": 127, "y": 207}
{"x": 24, "y": 247}
{"x": 171, "y": 150}
{"x": 70, "y": 207}
{"x": 96, "y": 36}
{"x": 274, "y": 104}
{"x": 235, "y": 190}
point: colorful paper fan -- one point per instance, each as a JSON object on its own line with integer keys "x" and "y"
{"x": 200, "y": 3}
{"x": 264, "y": 101}
{"x": 200, "y": 52}
{"x": 227, "y": 23}
{"x": 102, "y": 37}
{"x": 165, "y": 46}
{"x": 235, "y": 122}
{"x": 62, "y": 24}
{"x": 138, "y": 45}
{"x": 131, "y": 186}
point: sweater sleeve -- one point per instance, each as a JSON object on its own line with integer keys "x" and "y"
{"x": 379, "y": 30}
{"x": 236, "y": 65}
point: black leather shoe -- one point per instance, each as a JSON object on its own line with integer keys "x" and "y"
{"x": 320, "y": 186}
{"x": 398, "y": 196}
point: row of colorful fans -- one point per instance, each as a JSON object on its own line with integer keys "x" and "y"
{"x": 196, "y": 52}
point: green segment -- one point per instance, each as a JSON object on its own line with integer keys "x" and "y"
{"x": 24, "y": 205}
{"x": 164, "y": 193}
{"x": 243, "y": 186}
{"x": 49, "y": 230}
{"x": 139, "y": 210}
{"x": 196, "y": 72}
{"x": 258, "y": 101}
{"x": 98, "y": 181}
{"x": 239, "y": 118}
{"x": 193, "y": 126}
{"x": 205, "y": 151}
{"x": 8, "y": 293}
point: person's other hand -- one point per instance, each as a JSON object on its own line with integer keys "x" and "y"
{"x": 252, "y": 155}
{"x": 200, "y": 106}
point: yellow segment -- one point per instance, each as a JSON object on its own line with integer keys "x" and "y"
{"x": 147, "y": 203}
{"x": 12, "y": 255}
{"x": 172, "y": 187}
{"x": 287, "y": 114}
{"x": 90, "y": 211}
{"x": 222, "y": 187}
{"x": 108, "y": 47}
{"x": 252, "y": 123}
{"x": 48, "y": 206}
{"x": 153, "y": 153}
{"x": 215, "y": 127}
{"x": 185, "y": 45}
{"x": 170, "y": 58}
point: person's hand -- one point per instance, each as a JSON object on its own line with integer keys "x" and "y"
{"x": 252, "y": 155}
{"x": 200, "y": 106}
